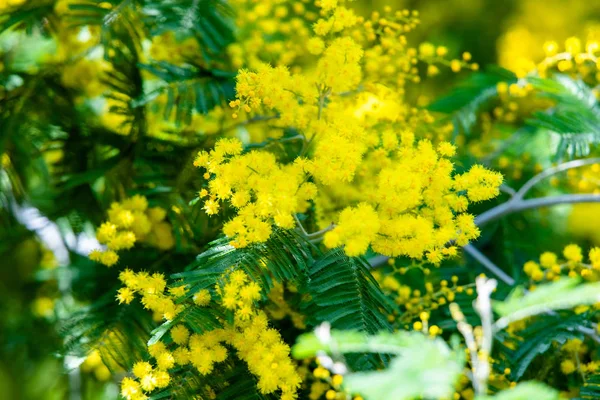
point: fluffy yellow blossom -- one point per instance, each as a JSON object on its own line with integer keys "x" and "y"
{"x": 202, "y": 297}
{"x": 594, "y": 257}
{"x": 354, "y": 156}
{"x": 315, "y": 45}
{"x": 180, "y": 334}
{"x": 420, "y": 180}
{"x": 261, "y": 347}
{"x": 573, "y": 253}
{"x": 129, "y": 222}
{"x": 567, "y": 367}
{"x": 153, "y": 292}
{"x": 479, "y": 183}
{"x": 125, "y": 295}
{"x": 338, "y": 69}
{"x": 150, "y": 378}
{"x": 548, "y": 259}
{"x": 356, "y": 229}
{"x": 264, "y": 192}
{"x": 131, "y": 389}
{"x": 141, "y": 369}
{"x": 379, "y": 185}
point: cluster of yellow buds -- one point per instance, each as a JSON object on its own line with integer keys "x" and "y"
{"x": 260, "y": 346}
{"x": 6, "y": 4}
{"x": 153, "y": 291}
{"x": 93, "y": 364}
{"x": 149, "y": 377}
{"x": 577, "y": 358}
{"x": 328, "y": 385}
{"x": 550, "y": 267}
{"x": 575, "y": 58}
{"x": 129, "y": 222}
{"x": 416, "y": 304}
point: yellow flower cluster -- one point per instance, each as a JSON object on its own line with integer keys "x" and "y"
{"x": 273, "y": 31}
{"x": 421, "y": 179}
{"x": 575, "y": 352}
{"x": 129, "y": 222}
{"x": 418, "y": 206}
{"x": 263, "y": 191}
{"x": 395, "y": 193}
{"x": 93, "y": 364}
{"x": 338, "y": 68}
{"x": 4, "y": 4}
{"x": 576, "y": 58}
{"x": 326, "y": 384}
{"x": 153, "y": 291}
{"x": 414, "y": 302}
{"x": 149, "y": 377}
{"x": 550, "y": 267}
{"x": 523, "y": 41}
{"x": 263, "y": 349}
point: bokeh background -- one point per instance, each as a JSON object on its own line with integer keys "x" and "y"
{"x": 508, "y": 32}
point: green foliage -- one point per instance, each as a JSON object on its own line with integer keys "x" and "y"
{"x": 575, "y": 115}
{"x": 422, "y": 367}
{"x": 188, "y": 89}
{"x": 341, "y": 289}
{"x": 525, "y": 391}
{"x": 475, "y": 93}
{"x": 590, "y": 389}
{"x": 558, "y": 295}
{"x": 208, "y": 21}
{"x": 238, "y": 384}
{"x": 286, "y": 256}
{"x": 28, "y": 18}
{"x": 197, "y": 87}
{"x": 540, "y": 338}
{"x": 119, "y": 333}
{"x": 344, "y": 293}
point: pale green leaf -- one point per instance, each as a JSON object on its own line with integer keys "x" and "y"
{"x": 560, "y": 295}
{"x": 525, "y": 391}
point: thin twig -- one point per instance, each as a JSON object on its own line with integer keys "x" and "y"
{"x": 504, "y": 188}
{"x": 488, "y": 264}
{"x": 320, "y": 232}
{"x": 516, "y": 205}
{"x": 314, "y": 235}
{"x": 553, "y": 171}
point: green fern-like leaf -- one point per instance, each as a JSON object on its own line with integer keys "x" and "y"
{"x": 575, "y": 116}
{"x": 209, "y": 21}
{"x": 188, "y": 89}
{"x": 464, "y": 102}
{"x": 345, "y": 294}
{"x": 590, "y": 389}
{"x": 284, "y": 257}
{"x": 29, "y": 16}
{"x": 538, "y": 338}
{"x": 118, "y": 333}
